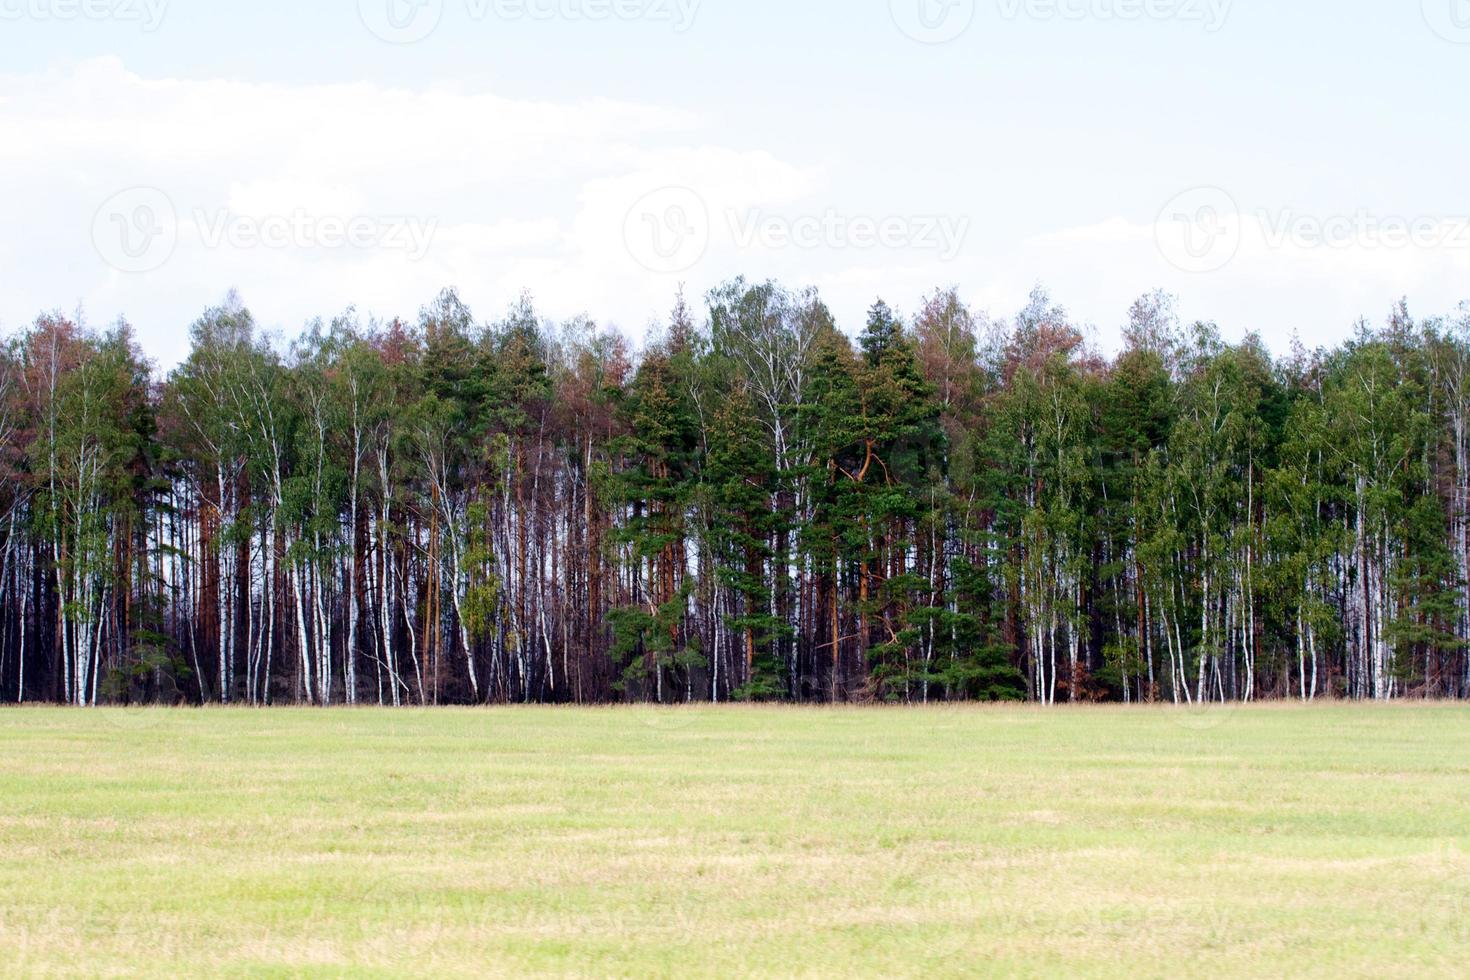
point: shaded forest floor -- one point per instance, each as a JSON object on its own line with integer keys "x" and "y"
{"x": 1269, "y": 841}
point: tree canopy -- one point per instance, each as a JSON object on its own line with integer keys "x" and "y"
{"x": 757, "y": 503}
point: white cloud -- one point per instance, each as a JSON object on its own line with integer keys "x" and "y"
{"x": 537, "y": 195}
{"x": 520, "y": 194}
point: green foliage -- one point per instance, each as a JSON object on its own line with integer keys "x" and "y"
{"x": 752, "y": 505}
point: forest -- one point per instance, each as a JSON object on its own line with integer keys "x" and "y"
{"x": 755, "y": 503}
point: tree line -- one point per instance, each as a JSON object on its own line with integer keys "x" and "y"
{"x": 750, "y": 506}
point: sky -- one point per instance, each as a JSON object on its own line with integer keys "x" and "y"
{"x": 1284, "y": 168}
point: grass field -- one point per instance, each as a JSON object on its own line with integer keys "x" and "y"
{"x": 1271, "y": 841}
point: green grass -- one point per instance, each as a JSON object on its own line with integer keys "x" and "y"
{"x": 1331, "y": 841}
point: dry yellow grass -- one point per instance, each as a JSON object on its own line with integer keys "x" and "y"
{"x": 1328, "y": 841}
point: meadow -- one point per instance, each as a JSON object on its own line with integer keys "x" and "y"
{"x": 1138, "y": 842}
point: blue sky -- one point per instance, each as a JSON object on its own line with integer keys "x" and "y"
{"x": 1054, "y": 141}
